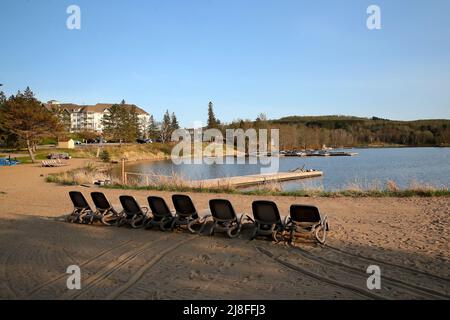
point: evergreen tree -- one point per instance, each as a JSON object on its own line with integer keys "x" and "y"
{"x": 153, "y": 130}
{"x": 174, "y": 122}
{"x": 26, "y": 117}
{"x": 212, "y": 121}
{"x": 2, "y": 98}
{"x": 122, "y": 123}
{"x": 28, "y": 94}
{"x": 166, "y": 127}
{"x": 132, "y": 128}
{"x": 111, "y": 123}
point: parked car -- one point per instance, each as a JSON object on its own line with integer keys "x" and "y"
{"x": 77, "y": 142}
{"x": 144, "y": 141}
{"x": 65, "y": 156}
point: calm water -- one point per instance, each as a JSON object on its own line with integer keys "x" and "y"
{"x": 370, "y": 166}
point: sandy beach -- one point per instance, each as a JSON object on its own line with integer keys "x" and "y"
{"x": 408, "y": 238}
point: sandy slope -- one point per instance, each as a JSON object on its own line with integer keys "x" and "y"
{"x": 407, "y": 238}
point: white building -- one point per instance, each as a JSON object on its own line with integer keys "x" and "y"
{"x": 89, "y": 117}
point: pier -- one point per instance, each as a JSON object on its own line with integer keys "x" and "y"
{"x": 250, "y": 180}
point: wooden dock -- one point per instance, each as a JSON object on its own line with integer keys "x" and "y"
{"x": 243, "y": 181}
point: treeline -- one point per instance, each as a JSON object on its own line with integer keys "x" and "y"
{"x": 345, "y": 131}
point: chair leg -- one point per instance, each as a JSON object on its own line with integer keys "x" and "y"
{"x": 318, "y": 237}
{"x": 211, "y": 232}
{"x": 255, "y": 232}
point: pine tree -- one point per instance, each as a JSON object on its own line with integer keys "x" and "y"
{"x": 2, "y": 98}
{"x": 153, "y": 130}
{"x": 166, "y": 127}
{"x": 111, "y": 123}
{"x": 174, "y": 122}
{"x": 212, "y": 121}
{"x": 132, "y": 126}
{"x": 28, "y": 94}
{"x": 26, "y": 117}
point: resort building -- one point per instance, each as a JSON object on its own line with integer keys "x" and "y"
{"x": 89, "y": 117}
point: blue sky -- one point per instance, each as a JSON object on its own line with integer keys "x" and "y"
{"x": 279, "y": 57}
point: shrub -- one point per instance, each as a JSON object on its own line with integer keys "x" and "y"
{"x": 104, "y": 156}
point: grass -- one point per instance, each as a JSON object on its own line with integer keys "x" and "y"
{"x": 84, "y": 175}
{"x": 177, "y": 183}
{"x": 297, "y": 193}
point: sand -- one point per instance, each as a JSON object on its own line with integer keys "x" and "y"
{"x": 408, "y": 238}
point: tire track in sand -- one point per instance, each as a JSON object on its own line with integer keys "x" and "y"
{"x": 94, "y": 258}
{"x": 138, "y": 274}
{"x": 439, "y": 278}
{"x": 111, "y": 268}
{"x": 415, "y": 289}
{"x": 315, "y": 276}
{"x": 4, "y": 265}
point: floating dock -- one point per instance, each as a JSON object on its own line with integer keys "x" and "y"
{"x": 250, "y": 180}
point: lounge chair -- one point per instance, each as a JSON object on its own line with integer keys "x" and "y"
{"x": 306, "y": 220}
{"x": 104, "y": 210}
{"x": 162, "y": 217}
{"x": 225, "y": 218}
{"x": 186, "y": 214}
{"x": 82, "y": 212}
{"x": 267, "y": 220}
{"x": 134, "y": 215}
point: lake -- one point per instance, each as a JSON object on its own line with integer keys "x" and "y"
{"x": 370, "y": 167}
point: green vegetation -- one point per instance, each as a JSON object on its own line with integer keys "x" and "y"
{"x": 104, "y": 156}
{"x": 336, "y": 131}
{"x": 212, "y": 122}
{"x": 121, "y": 124}
{"x": 298, "y": 193}
{"x": 24, "y": 117}
{"x": 176, "y": 183}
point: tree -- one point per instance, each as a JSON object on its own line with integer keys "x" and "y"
{"x": 28, "y": 94}
{"x": 131, "y": 126}
{"x": 2, "y": 98}
{"x": 111, "y": 123}
{"x": 26, "y": 117}
{"x": 121, "y": 123}
{"x": 174, "y": 122}
{"x": 153, "y": 130}
{"x": 212, "y": 121}
{"x": 166, "y": 127}
{"x": 63, "y": 116}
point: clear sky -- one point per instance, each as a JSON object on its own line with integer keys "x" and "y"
{"x": 281, "y": 57}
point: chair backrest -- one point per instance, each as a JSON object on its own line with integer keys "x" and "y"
{"x": 304, "y": 213}
{"x": 130, "y": 205}
{"x": 158, "y": 206}
{"x": 100, "y": 201}
{"x": 78, "y": 200}
{"x": 266, "y": 212}
{"x": 222, "y": 209}
{"x": 184, "y": 205}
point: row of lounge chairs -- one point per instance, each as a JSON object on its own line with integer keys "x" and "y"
{"x": 303, "y": 219}
{"x": 53, "y": 163}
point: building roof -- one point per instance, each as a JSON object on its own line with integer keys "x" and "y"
{"x": 99, "y": 107}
